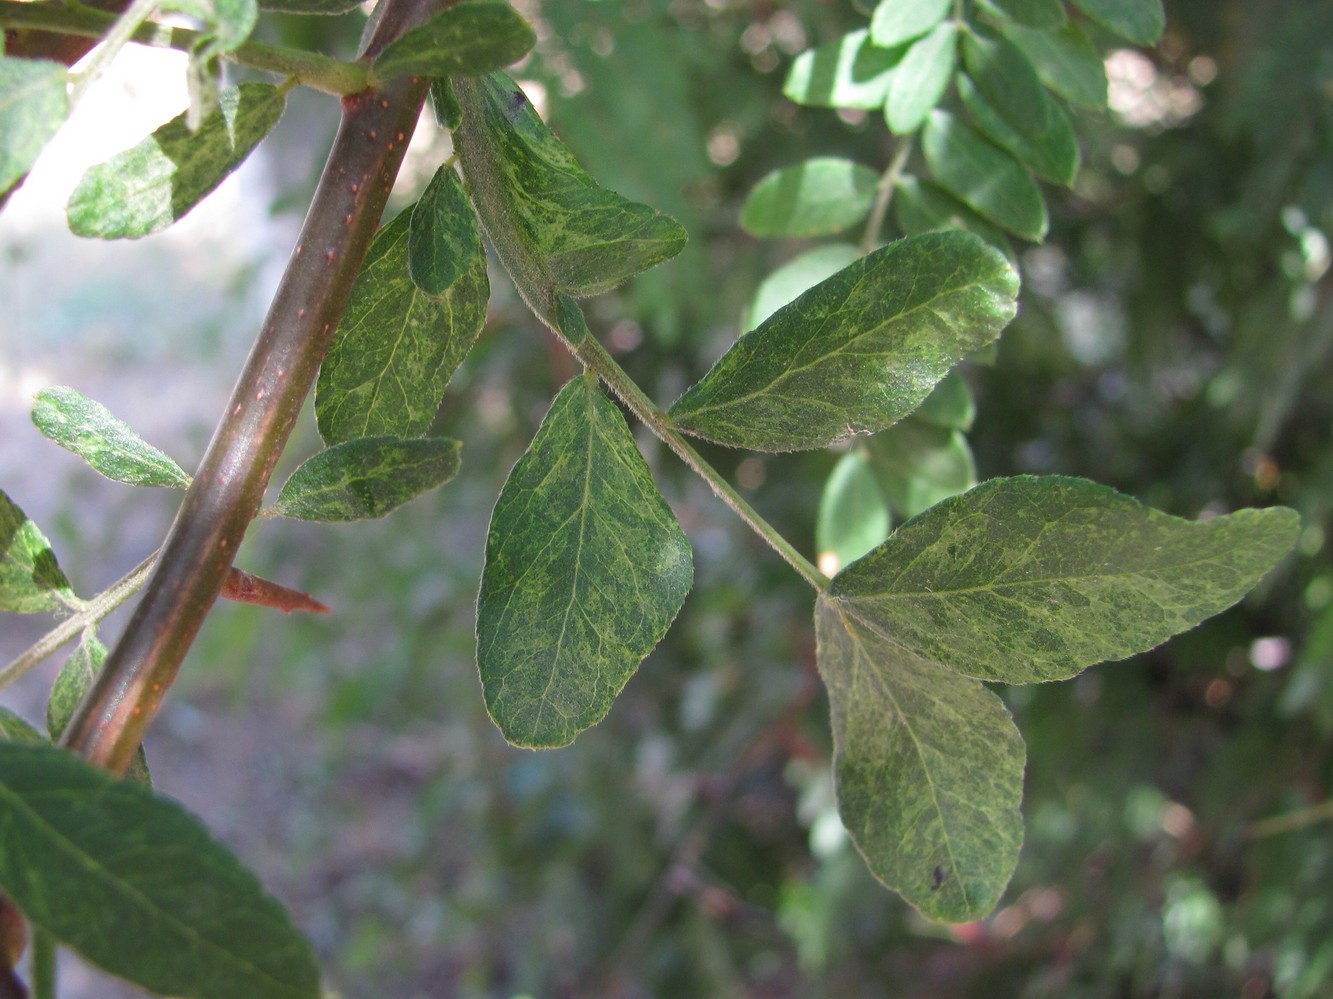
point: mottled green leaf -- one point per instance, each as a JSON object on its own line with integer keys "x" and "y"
{"x": 87, "y": 428}
{"x": 72, "y": 682}
{"x": 444, "y": 102}
{"x": 849, "y": 72}
{"x": 797, "y": 276}
{"x": 898, "y": 21}
{"x": 853, "y": 515}
{"x": 919, "y": 464}
{"x": 442, "y": 239}
{"x": 857, "y": 352}
{"x": 921, "y": 78}
{"x": 1065, "y": 60}
{"x": 397, "y": 346}
{"x": 367, "y": 477}
{"x": 949, "y": 404}
{"x": 1139, "y": 21}
{"x": 33, "y": 106}
{"x": 310, "y": 6}
{"x": 1008, "y": 102}
{"x": 983, "y": 176}
{"x": 585, "y": 570}
{"x": 1037, "y": 578}
{"x": 137, "y": 885}
{"x": 30, "y": 578}
{"x": 919, "y": 206}
{"x": 819, "y": 196}
{"x": 145, "y": 189}
{"x": 1045, "y": 14}
{"x": 467, "y": 39}
{"x": 929, "y": 770}
{"x": 553, "y": 227}
{"x": 15, "y": 729}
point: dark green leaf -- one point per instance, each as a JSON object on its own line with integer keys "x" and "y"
{"x": 72, "y": 682}
{"x": 1030, "y": 579}
{"x": 33, "y": 106}
{"x": 553, "y": 227}
{"x": 467, "y": 39}
{"x": 1139, "y": 21}
{"x": 919, "y": 464}
{"x": 443, "y": 239}
{"x": 898, "y": 21}
{"x": 136, "y": 884}
{"x": 919, "y": 206}
{"x": 15, "y": 729}
{"x": 87, "y": 428}
{"x": 310, "y": 6}
{"x": 949, "y": 404}
{"x": 813, "y": 198}
{"x": 444, "y": 102}
{"x": 850, "y": 72}
{"x": 921, "y": 78}
{"x": 797, "y": 276}
{"x": 367, "y": 477}
{"x": 1046, "y": 14}
{"x": 585, "y": 570}
{"x": 983, "y": 176}
{"x": 30, "y": 579}
{"x": 145, "y": 189}
{"x": 1065, "y": 61}
{"x": 853, "y": 516}
{"x": 397, "y": 346}
{"x": 929, "y": 770}
{"x": 1009, "y": 103}
{"x": 859, "y": 351}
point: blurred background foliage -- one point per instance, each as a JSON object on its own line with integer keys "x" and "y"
{"x": 1174, "y": 341}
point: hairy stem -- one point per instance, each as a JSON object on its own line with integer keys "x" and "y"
{"x": 229, "y": 486}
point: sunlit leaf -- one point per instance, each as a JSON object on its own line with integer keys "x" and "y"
{"x": 929, "y": 770}
{"x": 1065, "y": 60}
{"x": 919, "y": 206}
{"x": 1046, "y": 14}
{"x": 145, "y": 189}
{"x": 919, "y": 464}
{"x": 88, "y": 428}
{"x": 849, "y": 72}
{"x": 553, "y": 227}
{"x": 137, "y": 885}
{"x": 397, "y": 346}
{"x": 468, "y": 39}
{"x": 921, "y": 78}
{"x": 1139, "y": 21}
{"x": 33, "y": 106}
{"x": 983, "y": 176}
{"x": 857, "y": 352}
{"x": 442, "y": 240}
{"x": 819, "y": 196}
{"x": 853, "y": 516}
{"x": 72, "y": 682}
{"x": 1037, "y": 578}
{"x": 898, "y": 21}
{"x": 797, "y": 276}
{"x": 367, "y": 477}
{"x": 30, "y": 578}
{"x": 585, "y": 570}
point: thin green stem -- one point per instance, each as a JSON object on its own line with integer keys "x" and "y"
{"x": 888, "y": 181}
{"x": 43, "y": 964}
{"x": 121, "y": 32}
{"x": 1291, "y": 821}
{"x": 309, "y": 69}
{"x": 594, "y": 355}
{"x": 84, "y": 618}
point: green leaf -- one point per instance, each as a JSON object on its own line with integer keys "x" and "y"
{"x": 929, "y": 770}
{"x": 919, "y": 206}
{"x": 233, "y": 21}
{"x": 921, "y": 78}
{"x": 72, "y": 682}
{"x": 15, "y": 729}
{"x": 444, "y": 102}
{"x": 918, "y": 464}
{"x": 853, "y": 516}
{"x": 442, "y": 238}
{"x": 1045, "y": 14}
{"x": 1139, "y": 21}
{"x": 796, "y": 276}
{"x": 898, "y": 21}
{"x": 857, "y": 352}
{"x": 1065, "y": 60}
{"x": 553, "y": 227}
{"x": 137, "y": 885}
{"x": 983, "y": 176}
{"x": 87, "y": 428}
{"x": 367, "y": 477}
{"x": 328, "y": 7}
{"x": 585, "y": 570}
{"x": 1037, "y": 578}
{"x": 30, "y": 578}
{"x": 813, "y": 198}
{"x": 33, "y": 106}
{"x": 467, "y": 39}
{"x": 1008, "y": 102}
{"x": 949, "y": 404}
{"x": 145, "y": 189}
{"x": 849, "y": 72}
{"x": 397, "y": 346}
